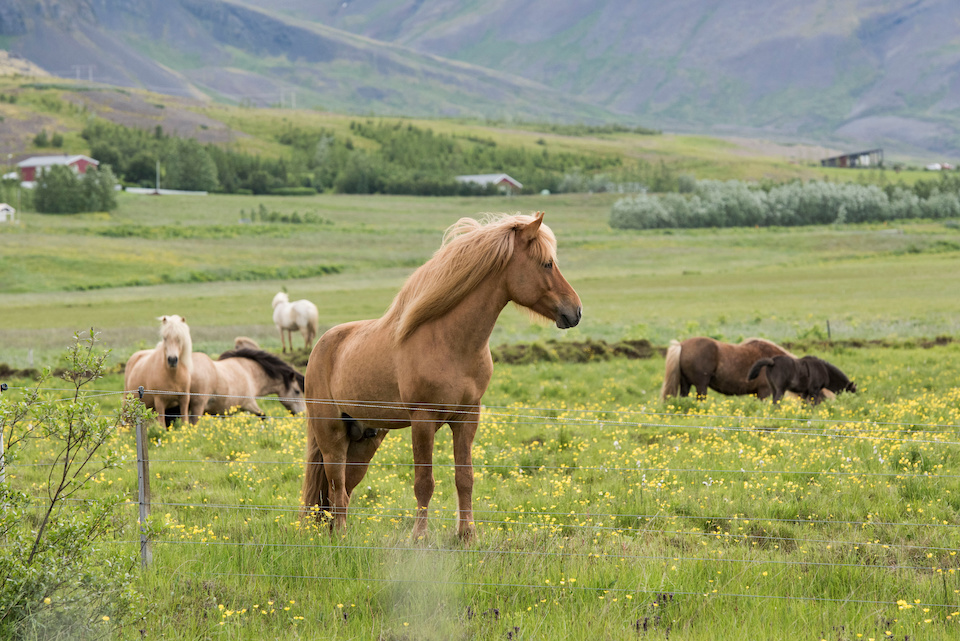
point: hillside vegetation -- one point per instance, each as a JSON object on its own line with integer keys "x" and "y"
{"x": 258, "y": 150}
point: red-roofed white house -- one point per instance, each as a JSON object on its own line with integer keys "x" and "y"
{"x": 35, "y": 165}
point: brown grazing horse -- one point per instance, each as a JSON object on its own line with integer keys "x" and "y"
{"x": 426, "y": 362}
{"x": 704, "y": 362}
{"x": 165, "y": 371}
{"x": 809, "y": 377}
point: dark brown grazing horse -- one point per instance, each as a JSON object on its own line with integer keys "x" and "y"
{"x": 704, "y": 362}
{"x": 809, "y": 377}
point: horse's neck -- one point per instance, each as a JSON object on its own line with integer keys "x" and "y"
{"x": 256, "y": 377}
{"x": 468, "y": 326}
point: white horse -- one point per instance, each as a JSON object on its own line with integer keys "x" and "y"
{"x": 300, "y": 315}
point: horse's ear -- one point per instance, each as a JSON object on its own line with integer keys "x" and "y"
{"x": 529, "y": 231}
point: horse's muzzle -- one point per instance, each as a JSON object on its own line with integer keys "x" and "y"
{"x": 172, "y": 361}
{"x": 566, "y": 320}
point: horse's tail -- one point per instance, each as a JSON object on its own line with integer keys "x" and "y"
{"x": 759, "y": 365}
{"x": 671, "y": 373}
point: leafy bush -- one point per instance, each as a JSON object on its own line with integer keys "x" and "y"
{"x": 190, "y": 167}
{"x": 61, "y": 191}
{"x": 55, "y": 581}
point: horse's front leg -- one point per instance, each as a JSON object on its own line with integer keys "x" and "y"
{"x": 160, "y": 407}
{"x": 424, "y": 429}
{"x": 464, "y": 430}
{"x": 185, "y": 409}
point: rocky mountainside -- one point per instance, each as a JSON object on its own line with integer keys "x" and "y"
{"x": 851, "y": 72}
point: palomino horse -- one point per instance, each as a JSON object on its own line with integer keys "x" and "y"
{"x": 245, "y": 374}
{"x": 165, "y": 371}
{"x": 703, "y": 362}
{"x": 426, "y": 362}
{"x": 238, "y": 378}
{"x": 299, "y": 315}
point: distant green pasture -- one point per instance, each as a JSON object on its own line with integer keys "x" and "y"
{"x": 156, "y": 256}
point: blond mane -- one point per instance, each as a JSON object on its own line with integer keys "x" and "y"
{"x": 174, "y": 328}
{"x": 768, "y": 342}
{"x": 470, "y": 252}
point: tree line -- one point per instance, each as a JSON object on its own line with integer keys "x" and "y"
{"x": 733, "y": 203}
{"x": 402, "y": 159}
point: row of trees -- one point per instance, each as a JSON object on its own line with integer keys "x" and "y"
{"x": 393, "y": 158}
{"x": 737, "y": 204}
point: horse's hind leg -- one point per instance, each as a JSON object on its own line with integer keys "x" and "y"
{"x": 702, "y": 382}
{"x": 684, "y": 386}
{"x": 314, "y": 493}
{"x": 359, "y": 455}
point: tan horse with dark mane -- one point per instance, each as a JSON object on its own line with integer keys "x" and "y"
{"x": 703, "y": 362}
{"x": 165, "y": 371}
{"x": 426, "y": 362}
{"x": 243, "y": 375}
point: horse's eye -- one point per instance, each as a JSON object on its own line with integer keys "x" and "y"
{"x": 548, "y": 264}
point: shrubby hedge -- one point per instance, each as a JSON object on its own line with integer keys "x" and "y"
{"x": 737, "y": 204}
{"x": 59, "y": 190}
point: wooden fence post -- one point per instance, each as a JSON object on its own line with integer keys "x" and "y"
{"x": 143, "y": 485}
{"x": 3, "y": 461}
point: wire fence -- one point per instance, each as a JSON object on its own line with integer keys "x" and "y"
{"x": 858, "y": 533}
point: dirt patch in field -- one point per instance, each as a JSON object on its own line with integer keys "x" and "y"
{"x": 855, "y": 343}
{"x": 571, "y": 351}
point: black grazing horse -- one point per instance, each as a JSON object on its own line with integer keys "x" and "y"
{"x": 807, "y": 376}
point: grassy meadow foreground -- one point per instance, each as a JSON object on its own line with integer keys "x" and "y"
{"x": 601, "y": 511}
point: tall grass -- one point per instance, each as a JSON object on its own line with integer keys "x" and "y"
{"x": 601, "y": 513}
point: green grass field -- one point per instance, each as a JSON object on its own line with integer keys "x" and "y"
{"x": 66, "y": 273}
{"x": 602, "y": 512}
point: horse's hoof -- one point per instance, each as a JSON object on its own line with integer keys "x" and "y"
{"x": 421, "y": 536}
